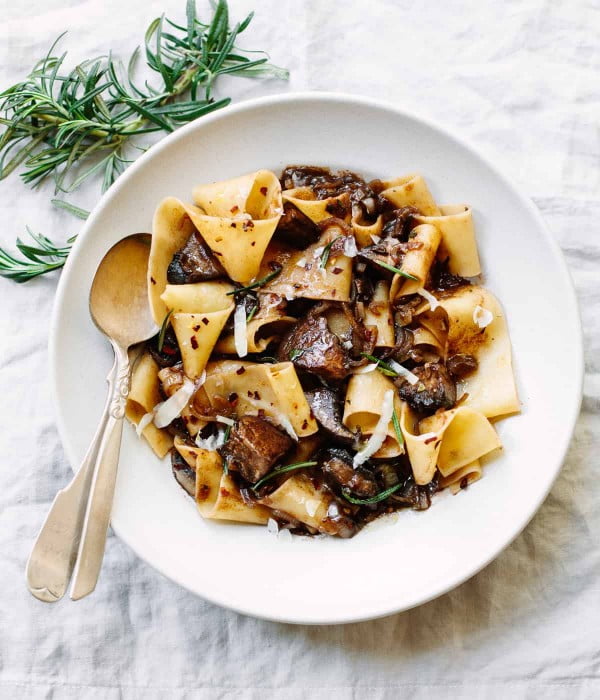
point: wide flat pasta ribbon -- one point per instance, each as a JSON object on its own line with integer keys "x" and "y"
{"x": 458, "y": 244}
{"x": 364, "y": 398}
{"x": 448, "y": 440}
{"x": 144, "y": 395}
{"x": 423, "y": 244}
{"x": 237, "y": 218}
{"x": 304, "y": 199}
{"x": 410, "y": 191}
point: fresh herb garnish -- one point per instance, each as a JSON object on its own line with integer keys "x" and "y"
{"x": 74, "y": 124}
{"x": 396, "y": 270}
{"x": 40, "y": 258}
{"x": 382, "y": 366}
{"x": 374, "y": 499}
{"x": 163, "y": 330}
{"x": 282, "y": 470}
{"x": 71, "y": 208}
{"x": 258, "y": 283}
{"x": 396, "y": 424}
{"x": 252, "y": 313}
{"x": 267, "y": 358}
{"x": 295, "y": 354}
{"x": 326, "y": 252}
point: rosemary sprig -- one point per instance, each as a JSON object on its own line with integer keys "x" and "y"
{"x": 397, "y": 430}
{"x": 71, "y": 208}
{"x": 296, "y": 353}
{"x": 326, "y": 252}
{"x": 282, "y": 470}
{"x": 381, "y": 496}
{"x": 382, "y": 366}
{"x": 396, "y": 270}
{"x": 74, "y": 124}
{"x": 163, "y": 330}
{"x": 253, "y": 285}
{"x": 37, "y": 259}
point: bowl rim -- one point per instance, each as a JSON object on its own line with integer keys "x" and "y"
{"x": 577, "y": 360}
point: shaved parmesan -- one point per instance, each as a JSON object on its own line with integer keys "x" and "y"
{"x": 240, "y": 336}
{"x": 375, "y": 239}
{"x": 166, "y": 412}
{"x": 311, "y": 506}
{"x": 318, "y": 251}
{"x": 145, "y": 421}
{"x": 403, "y": 372}
{"x": 482, "y": 317}
{"x": 224, "y": 419}
{"x": 350, "y": 249}
{"x": 285, "y": 534}
{"x": 347, "y": 344}
{"x": 211, "y": 443}
{"x": 366, "y": 369}
{"x": 301, "y": 263}
{"x": 428, "y": 296}
{"x": 272, "y": 526}
{"x": 379, "y": 434}
{"x": 280, "y": 418}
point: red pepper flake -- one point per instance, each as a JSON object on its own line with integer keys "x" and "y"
{"x": 224, "y": 492}
{"x": 233, "y": 398}
{"x": 464, "y": 482}
{"x": 333, "y": 292}
{"x": 241, "y": 370}
{"x": 249, "y": 394}
{"x": 216, "y": 252}
{"x": 263, "y": 191}
{"x": 233, "y": 224}
{"x": 304, "y": 424}
{"x": 205, "y": 321}
{"x": 261, "y": 413}
{"x": 430, "y": 439}
{"x": 253, "y": 243}
{"x": 194, "y": 342}
{"x": 196, "y": 328}
{"x": 248, "y": 224}
{"x": 203, "y": 492}
{"x": 336, "y": 271}
{"x": 152, "y": 280}
{"x": 312, "y": 415}
{"x": 234, "y": 208}
{"x": 257, "y": 395}
{"x": 193, "y": 420}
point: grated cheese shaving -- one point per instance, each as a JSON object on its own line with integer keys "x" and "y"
{"x": 428, "y": 296}
{"x": 240, "y": 337}
{"x": 403, "y": 372}
{"x": 379, "y": 434}
{"x": 350, "y": 249}
{"x": 482, "y": 317}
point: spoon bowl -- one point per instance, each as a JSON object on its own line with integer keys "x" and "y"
{"x": 119, "y": 297}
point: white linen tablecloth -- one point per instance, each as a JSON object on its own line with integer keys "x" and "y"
{"x": 521, "y": 79}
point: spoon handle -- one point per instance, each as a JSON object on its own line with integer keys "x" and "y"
{"x": 102, "y": 488}
{"x": 53, "y": 555}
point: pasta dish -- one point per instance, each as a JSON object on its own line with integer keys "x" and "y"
{"x": 326, "y": 351}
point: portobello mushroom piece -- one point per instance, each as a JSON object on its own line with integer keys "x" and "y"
{"x": 183, "y": 473}
{"x": 461, "y": 365}
{"x": 254, "y": 446}
{"x": 169, "y": 354}
{"x": 194, "y": 263}
{"x": 312, "y": 347}
{"x": 337, "y": 464}
{"x": 296, "y": 228}
{"x": 435, "y": 388}
{"x": 398, "y": 223}
{"x": 442, "y": 280}
{"x": 327, "y": 409}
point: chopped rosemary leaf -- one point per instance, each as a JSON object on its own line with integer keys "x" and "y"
{"x": 382, "y": 366}
{"x": 295, "y": 354}
{"x": 397, "y": 430}
{"x": 326, "y": 251}
{"x": 374, "y": 499}
{"x": 282, "y": 470}
{"x": 37, "y": 259}
{"x": 163, "y": 330}
{"x": 71, "y": 208}
{"x": 251, "y": 315}
{"x": 396, "y": 270}
{"x": 258, "y": 283}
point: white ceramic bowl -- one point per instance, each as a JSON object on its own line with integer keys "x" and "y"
{"x": 394, "y": 564}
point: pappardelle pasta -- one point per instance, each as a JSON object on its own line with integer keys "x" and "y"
{"x": 326, "y": 352}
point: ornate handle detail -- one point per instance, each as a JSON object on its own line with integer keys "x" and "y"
{"x": 120, "y": 390}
